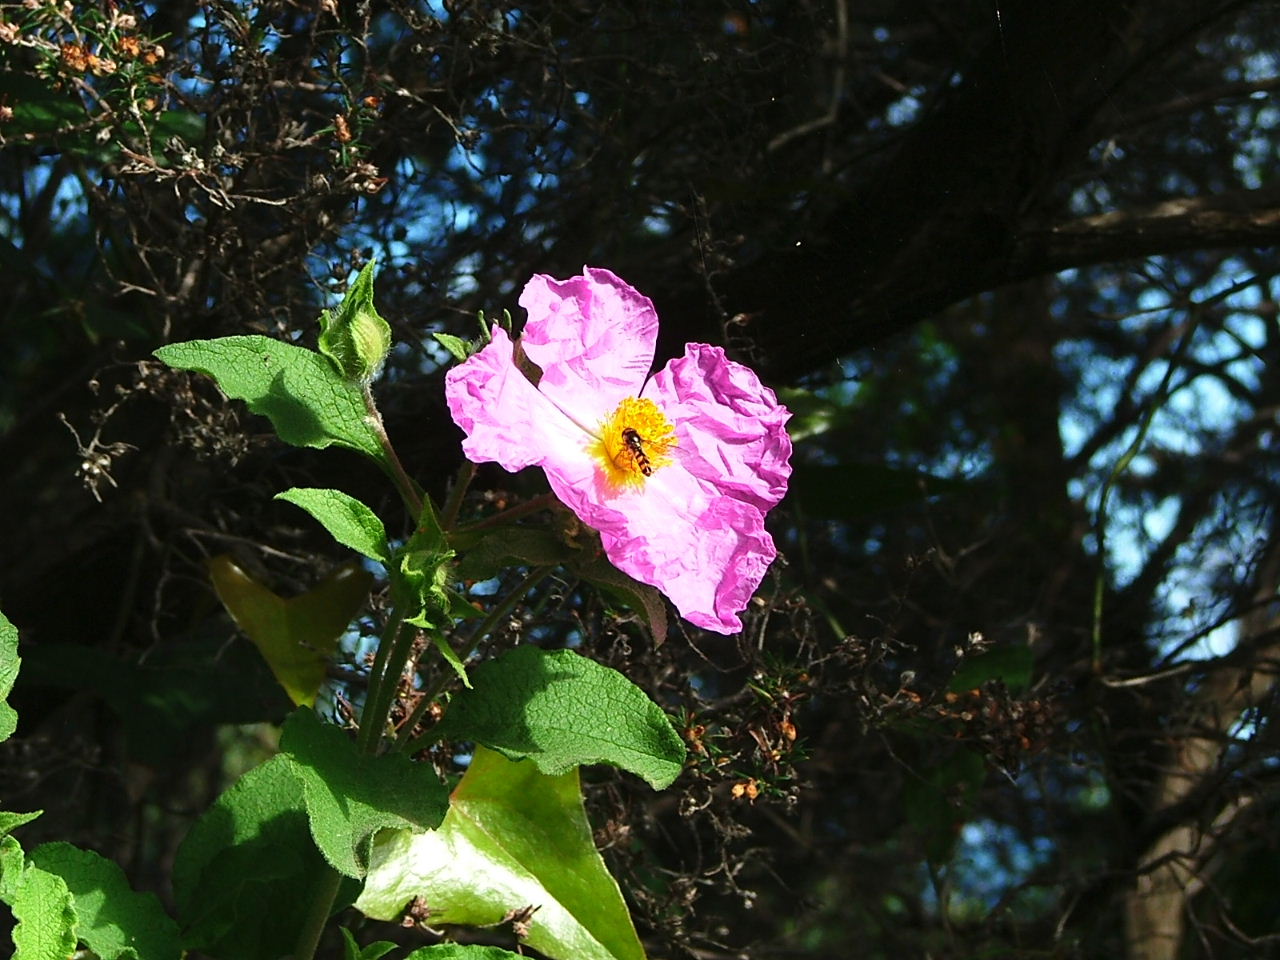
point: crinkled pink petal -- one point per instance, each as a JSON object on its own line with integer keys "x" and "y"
{"x": 695, "y": 529}
{"x": 593, "y": 336}
{"x": 731, "y": 427}
{"x": 706, "y": 552}
{"x": 504, "y": 416}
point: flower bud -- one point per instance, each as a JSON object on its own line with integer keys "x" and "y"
{"x": 354, "y": 337}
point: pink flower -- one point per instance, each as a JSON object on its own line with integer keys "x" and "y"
{"x": 675, "y": 473}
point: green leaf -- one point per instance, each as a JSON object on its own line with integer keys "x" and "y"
{"x": 638, "y": 596}
{"x": 938, "y": 805}
{"x": 462, "y": 951}
{"x": 510, "y": 546}
{"x": 513, "y": 838}
{"x": 354, "y": 337}
{"x": 562, "y": 710}
{"x": 112, "y": 919}
{"x": 9, "y": 663}
{"x": 351, "y": 795}
{"x": 12, "y": 861}
{"x": 374, "y": 951}
{"x": 459, "y": 348}
{"x": 1012, "y": 664}
{"x": 421, "y": 576}
{"x": 244, "y": 876}
{"x": 296, "y": 636}
{"x": 46, "y": 917}
{"x": 451, "y": 657}
{"x": 307, "y": 401}
{"x": 10, "y": 821}
{"x": 348, "y": 520}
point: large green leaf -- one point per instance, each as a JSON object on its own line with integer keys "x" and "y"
{"x": 306, "y": 399}
{"x": 513, "y": 838}
{"x": 9, "y": 663}
{"x": 351, "y": 795}
{"x": 245, "y": 875}
{"x": 298, "y": 635}
{"x": 112, "y": 919}
{"x": 562, "y": 710}
{"x": 462, "y": 951}
{"x": 348, "y": 520}
{"x": 46, "y": 916}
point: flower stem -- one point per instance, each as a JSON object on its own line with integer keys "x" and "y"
{"x": 409, "y": 490}
{"x": 486, "y": 627}
{"x": 326, "y": 890}
{"x": 453, "y": 503}
{"x": 383, "y": 677}
{"x": 515, "y": 513}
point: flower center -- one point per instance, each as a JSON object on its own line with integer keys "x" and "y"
{"x": 633, "y": 442}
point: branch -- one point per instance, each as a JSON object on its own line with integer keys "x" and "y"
{"x": 1246, "y": 218}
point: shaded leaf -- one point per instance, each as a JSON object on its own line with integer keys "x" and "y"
{"x": 562, "y": 710}
{"x": 182, "y": 687}
{"x": 296, "y": 636}
{"x": 351, "y": 795}
{"x": 510, "y": 546}
{"x": 638, "y": 596}
{"x": 1012, "y": 664}
{"x": 374, "y": 951}
{"x": 513, "y": 838}
{"x": 244, "y": 876}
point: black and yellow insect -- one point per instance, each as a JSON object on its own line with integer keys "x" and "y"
{"x": 635, "y": 443}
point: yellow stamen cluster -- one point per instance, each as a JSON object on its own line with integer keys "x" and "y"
{"x": 634, "y": 442}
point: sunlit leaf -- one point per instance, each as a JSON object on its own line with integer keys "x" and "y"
{"x": 350, "y": 795}
{"x": 46, "y": 916}
{"x": 514, "y": 838}
{"x": 9, "y": 663}
{"x": 562, "y": 710}
{"x": 307, "y": 400}
{"x": 348, "y": 520}
{"x": 112, "y": 919}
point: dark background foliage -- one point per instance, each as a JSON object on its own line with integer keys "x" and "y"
{"x": 1010, "y": 690}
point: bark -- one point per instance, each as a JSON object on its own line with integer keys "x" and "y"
{"x": 1176, "y": 865}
